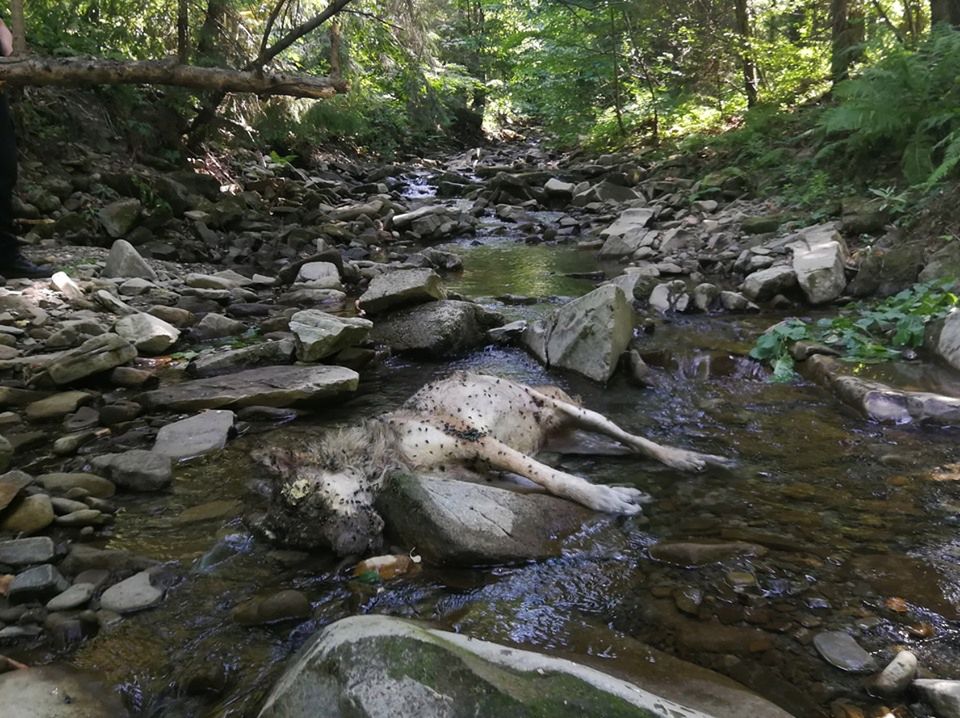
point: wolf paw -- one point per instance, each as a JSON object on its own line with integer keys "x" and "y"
{"x": 684, "y": 460}
{"x": 616, "y": 499}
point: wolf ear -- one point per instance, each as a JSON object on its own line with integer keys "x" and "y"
{"x": 276, "y": 460}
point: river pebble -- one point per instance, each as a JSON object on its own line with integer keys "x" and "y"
{"x": 841, "y": 650}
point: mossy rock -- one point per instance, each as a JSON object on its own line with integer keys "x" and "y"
{"x": 380, "y": 667}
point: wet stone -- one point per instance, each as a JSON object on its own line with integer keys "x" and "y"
{"x": 84, "y": 517}
{"x": 137, "y": 469}
{"x": 282, "y": 606}
{"x": 136, "y": 593}
{"x": 896, "y": 677}
{"x": 841, "y": 650}
{"x": 58, "y": 405}
{"x": 688, "y": 599}
{"x": 195, "y": 436}
{"x": 93, "y": 484}
{"x": 77, "y": 595}
{"x": 20, "y": 552}
{"x": 15, "y": 633}
{"x": 39, "y": 583}
{"x": 32, "y": 514}
{"x": 11, "y": 484}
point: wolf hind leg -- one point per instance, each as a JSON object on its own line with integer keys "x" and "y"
{"x": 672, "y": 456}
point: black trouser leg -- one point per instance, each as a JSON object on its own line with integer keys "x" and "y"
{"x": 9, "y": 247}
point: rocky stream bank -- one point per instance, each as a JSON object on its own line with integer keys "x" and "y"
{"x": 200, "y": 316}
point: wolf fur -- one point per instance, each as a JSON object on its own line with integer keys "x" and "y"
{"x": 327, "y": 487}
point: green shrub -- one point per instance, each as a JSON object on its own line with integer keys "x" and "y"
{"x": 906, "y": 106}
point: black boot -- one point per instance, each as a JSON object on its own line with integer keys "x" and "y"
{"x": 19, "y": 267}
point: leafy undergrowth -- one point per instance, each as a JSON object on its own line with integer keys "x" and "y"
{"x": 863, "y": 333}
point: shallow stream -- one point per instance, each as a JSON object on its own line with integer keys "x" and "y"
{"x": 852, "y": 515}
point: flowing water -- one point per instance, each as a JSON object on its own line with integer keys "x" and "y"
{"x": 852, "y": 515}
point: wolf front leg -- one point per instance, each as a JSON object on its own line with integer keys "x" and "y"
{"x": 670, "y": 455}
{"x": 611, "y": 499}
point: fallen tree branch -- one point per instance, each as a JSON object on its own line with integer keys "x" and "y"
{"x": 78, "y": 71}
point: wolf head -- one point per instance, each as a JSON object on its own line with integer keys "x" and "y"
{"x": 326, "y": 489}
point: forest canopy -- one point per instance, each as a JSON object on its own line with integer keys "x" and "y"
{"x": 606, "y": 73}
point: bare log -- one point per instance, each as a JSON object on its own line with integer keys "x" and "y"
{"x": 79, "y": 71}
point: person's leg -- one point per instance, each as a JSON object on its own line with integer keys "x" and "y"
{"x": 12, "y": 262}
{"x": 8, "y": 180}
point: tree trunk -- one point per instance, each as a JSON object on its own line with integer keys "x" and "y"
{"x": 183, "y": 28}
{"x": 18, "y": 28}
{"x": 945, "y": 11}
{"x": 615, "y": 53}
{"x": 73, "y": 71}
{"x": 750, "y": 77}
{"x": 336, "y": 71}
{"x": 208, "y": 42}
{"x": 847, "y": 27}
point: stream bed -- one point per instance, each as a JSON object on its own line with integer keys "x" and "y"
{"x": 859, "y": 522}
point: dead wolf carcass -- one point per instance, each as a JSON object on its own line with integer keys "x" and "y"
{"x": 327, "y": 487}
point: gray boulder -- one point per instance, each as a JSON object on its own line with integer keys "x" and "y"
{"x": 404, "y": 286}
{"x": 819, "y": 256}
{"x": 944, "y": 339}
{"x": 463, "y": 523}
{"x": 217, "y": 326}
{"x": 39, "y": 583}
{"x": 670, "y": 297}
{"x": 323, "y": 275}
{"x": 628, "y": 233}
{"x": 945, "y": 262}
{"x": 197, "y": 435}
{"x": 266, "y": 386}
{"x": 133, "y": 594}
{"x": 767, "y": 283}
{"x": 439, "y": 329}
{"x": 26, "y": 550}
{"x": 125, "y": 261}
{"x": 943, "y": 695}
{"x": 320, "y": 335}
{"x": 120, "y": 217}
{"x": 221, "y": 362}
{"x": 97, "y": 354}
{"x": 137, "y": 469}
{"x": 384, "y": 667}
{"x": 149, "y": 334}
{"x": 587, "y": 335}
{"x": 57, "y": 691}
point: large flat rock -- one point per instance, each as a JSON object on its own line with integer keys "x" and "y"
{"x": 464, "y": 523}
{"x": 267, "y": 386}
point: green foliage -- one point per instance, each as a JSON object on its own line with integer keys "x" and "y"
{"x": 863, "y": 333}
{"x": 907, "y": 106}
{"x": 892, "y": 200}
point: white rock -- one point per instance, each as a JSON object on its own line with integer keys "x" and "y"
{"x": 818, "y": 261}
{"x": 149, "y": 334}
{"x": 670, "y": 297}
{"x": 943, "y": 695}
{"x": 125, "y": 261}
